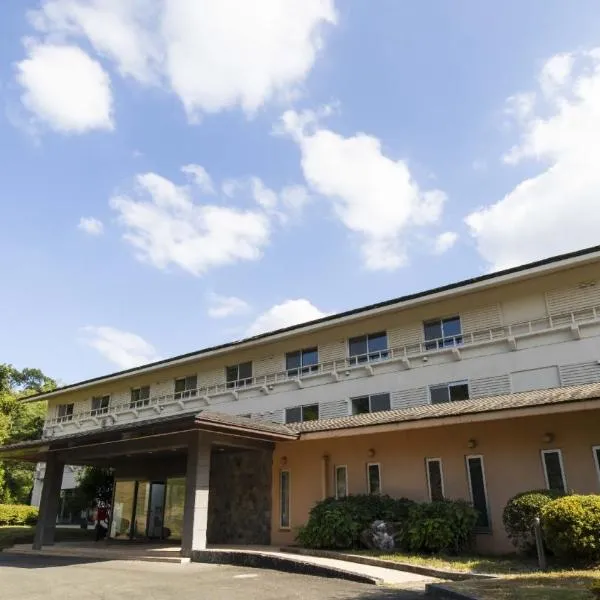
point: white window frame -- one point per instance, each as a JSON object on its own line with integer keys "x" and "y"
{"x": 101, "y": 410}
{"x": 335, "y": 479}
{"x": 378, "y": 465}
{"x": 383, "y": 354}
{"x": 562, "y": 467}
{"x": 441, "y": 342}
{"x": 448, "y": 385}
{"x": 369, "y": 396}
{"x": 302, "y": 407}
{"x": 303, "y": 369}
{"x": 595, "y": 454}
{"x": 485, "y": 489}
{"x": 438, "y": 460}
{"x": 68, "y": 416}
{"x": 240, "y": 383}
{"x": 287, "y": 527}
{"x": 141, "y": 401}
{"x": 186, "y": 392}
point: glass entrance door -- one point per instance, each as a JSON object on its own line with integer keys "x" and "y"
{"x": 156, "y": 510}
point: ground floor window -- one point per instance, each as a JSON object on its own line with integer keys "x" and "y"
{"x": 596, "y": 451}
{"x": 554, "y": 471}
{"x": 284, "y": 499}
{"x": 478, "y": 491}
{"x": 122, "y": 509}
{"x": 373, "y": 478}
{"x": 341, "y": 481}
{"x": 435, "y": 479}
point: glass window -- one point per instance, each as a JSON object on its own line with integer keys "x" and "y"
{"x": 100, "y": 405}
{"x": 553, "y": 470}
{"x": 239, "y": 375}
{"x": 366, "y": 348}
{"x": 361, "y": 405}
{"x": 298, "y": 414}
{"x": 373, "y": 403}
{"x": 186, "y": 387}
{"x": 373, "y": 478}
{"x": 122, "y": 509}
{"x": 65, "y": 412}
{"x": 449, "y": 392}
{"x": 302, "y": 361}
{"x": 477, "y": 488}
{"x": 435, "y": 480}
{"x": 442, "y": 333}
{"x": 293, "y": 415}
{"x": 284, "y": 499}
{"x": 174, "y": 501}
{"x": 341, "y": 482}
{"x": 140, "y": 396}
{"x": 596, "y": 451}
{"x": 141, "y": 510}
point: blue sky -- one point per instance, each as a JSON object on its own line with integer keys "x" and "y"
{"x": 176, "y": 175}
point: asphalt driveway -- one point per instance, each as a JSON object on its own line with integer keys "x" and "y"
{"x": 58, "y": 578}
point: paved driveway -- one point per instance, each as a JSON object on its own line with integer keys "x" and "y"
{"x": 57, "y": 578}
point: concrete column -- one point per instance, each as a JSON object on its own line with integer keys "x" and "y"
{"x": 49, "y": 501}
{"x": 197, "y": 485}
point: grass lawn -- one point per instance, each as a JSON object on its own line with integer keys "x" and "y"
{"x": 557, "y": 585}
{"x": 24, "y": 535}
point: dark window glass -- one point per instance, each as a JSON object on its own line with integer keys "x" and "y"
{"x": 293, "y": 415}
{"x": 239, "y": 375}
{"x": 360, "y": 405}
{"x": 554, "y": 471}
{"x": 451, "y": 327}
{"x": 439, "y": 394}
{"x": 478, "y": 495}
{"x": 358, "y": 348}
{"x": 368, "y": 347}
{"x": 459, "y": 392}
{"x": 310, "y": 412}
{"x": 141, "y": 396}
{"x": 373, "y": 479}
{"x": 100, "y": 405}
{"x": 597, "y": 456}
{"x": 442, "y": 333}
{"x": 284, "y": 499}
{"x": 245, "y": 371}
{"x": 303, "y": 361}
{"x": 380, "y": 402}
{"x": 377, "y": 345}
{"x": 231, "y": 375}
{"x": 310, "y": 358}
{"x": 434, "y": 477}
{"x": 341, "y": 482}
{"x": 292, "y": 362}
{"x": 433, "y": 332}
{"x": 65, "y": 412}
{"x": 186, "y": 387}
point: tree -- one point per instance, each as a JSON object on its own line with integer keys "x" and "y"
{"x": 20, "y": 422}
{"x": 95, "y": 484}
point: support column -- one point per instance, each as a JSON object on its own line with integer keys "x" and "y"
{"x": 197, "y": 485}
{"x": 49, "y": 501}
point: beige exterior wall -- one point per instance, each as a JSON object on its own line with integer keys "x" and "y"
{"x": 511, "y": 450}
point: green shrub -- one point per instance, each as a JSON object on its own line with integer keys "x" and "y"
{"x": 444, "y": 526}
{"x": 519, "y": 514}
{"x": 338, "y": 523}
{"x": 18, "y": 514}
{"x": 571, "y": 527}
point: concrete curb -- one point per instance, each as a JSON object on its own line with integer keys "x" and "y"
{"x": 388, "y": 564}
{"x": 435, "y": 590}
{"x": 260, "y": 560}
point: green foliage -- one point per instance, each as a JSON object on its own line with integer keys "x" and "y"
{"x": 338, "y": 523}
{"x": 443, "y": 526}
{"x": 571, "y": 527}
{"x": 595, "y": 588}
{"x": 519, "y": 514}
{"x": 95, "y": 484}
{"x": 18, "y": 514}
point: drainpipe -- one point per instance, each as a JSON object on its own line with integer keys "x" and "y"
{"x": 324, "y": 476}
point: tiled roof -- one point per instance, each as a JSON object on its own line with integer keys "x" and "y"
{"x": 453, "y": 409}
{"x": 208, "y": 417}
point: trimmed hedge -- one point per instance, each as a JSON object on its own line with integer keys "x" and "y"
{"x": 519, "y": 514}
{"x": 571, "y": 527}
{"x": 18, "y": 514}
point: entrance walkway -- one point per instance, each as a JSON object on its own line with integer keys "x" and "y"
{"x": 266, "y": 556}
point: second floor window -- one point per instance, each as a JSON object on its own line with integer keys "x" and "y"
{"x": 186, "y": 387}
{"x": 449, "y": 392}
{"x": 302, "y": 362}
{"x": 100, "y": 405}
{"x": 65, "y": 412}
{"x": 370, "y": 404}
{"x": 365, "y": 348}
{"x": 140, "y": 396}
{"x": 442, "y": 333}
{"x": 239, "y": 375}
{"x": 298, "y": 414}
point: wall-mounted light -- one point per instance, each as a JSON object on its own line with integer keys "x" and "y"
{"x": 548, "y": 437}
{"x": 325, "y": 457}
{"x": 472, "y": 443}
{"x": 283, "y": 461}
{"x": 347, "y": 373}
{"x": 371, "y": 452}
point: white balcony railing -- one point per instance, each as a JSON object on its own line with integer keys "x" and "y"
{"x": 405, "y": 353}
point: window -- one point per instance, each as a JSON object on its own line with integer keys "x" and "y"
{"x": 298, "y": 414}
{"x": 65, "y": 412}
{"x": 442, "y": 333}
{"x": 341, "y": 481}
{"x": 140, "y": 397}
{"x": 100, "y": 405}
{"x": 477, "y": 489}
{"x": 239, "y": 375}
{"x": 596, "y": 451}
{"x": 370, "y": 404}
{"x": 554, "y": 472}
{"x": 373, "y": 478}
{"x": 435, "y": 479}
{"x": 365, "y": 348}
{"x": 302, "y": 362}
{"x": 185, "y": 387}
{"x": 449, "y": 392}
{"x": 284, "y": 499}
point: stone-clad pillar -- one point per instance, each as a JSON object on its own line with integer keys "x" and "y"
{"x": 49, "y": 501}
{"x": 197, "y": 485}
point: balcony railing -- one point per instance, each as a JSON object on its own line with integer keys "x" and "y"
{"x": 345, "y": 365}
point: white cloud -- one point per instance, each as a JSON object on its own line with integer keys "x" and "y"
{"x": 200, "y": 177}
{"x": 122, "y": 348}
{"x": 555, "y": 73}
{"x": 558, "y": 209}
{"x": 213, "y": 55}
{"x": 373, "y": 195}
{"x": 286, "y": 314}
{"x": 226, "y": 306}
{"x": 65, "y": 89}
{"x": 91, "y": 225}
{"x": 444, "y": 242}
{"x": 294, "y": 198}
{"x": 263, "y": 195}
